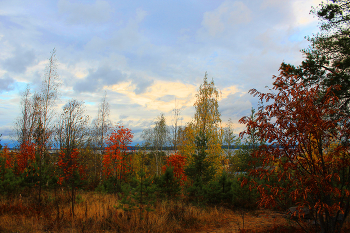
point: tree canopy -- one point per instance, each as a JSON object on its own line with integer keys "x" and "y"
{"x": 327, "y": 60}
{"x": 304, "y": 149}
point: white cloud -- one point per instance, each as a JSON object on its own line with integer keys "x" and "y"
{"x": 6, "y": 83}
{"x": 299, "y": 7}
{"x": 20, "y": 61}
{"x": 96, "y": 79}
{"x": 230, "y": 91}
{"x": 76, "y": 13}
{"x": 152, "y": 98}
{"x": 146, "y": 54}
{"x": 226, "y": 17}
{"x": 296, "y": 12}
{"x": 123, "y": 38}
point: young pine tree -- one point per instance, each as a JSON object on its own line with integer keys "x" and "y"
{"x": 142, "y": 196}
{"x": 200, "y": 170}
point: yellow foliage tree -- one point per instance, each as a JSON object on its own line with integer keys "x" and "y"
{"x": 187, "y": 145}
{"x": 206, "y": 120}
{"x": 138, "y": 164}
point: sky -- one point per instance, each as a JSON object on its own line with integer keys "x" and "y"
{"x": 146, "y": 54}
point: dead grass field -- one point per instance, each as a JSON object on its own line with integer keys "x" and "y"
{"x": 97, "y": 212}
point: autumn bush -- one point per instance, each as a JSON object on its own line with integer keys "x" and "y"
{"x": 307, "y": 149}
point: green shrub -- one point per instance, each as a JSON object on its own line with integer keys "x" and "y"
{"x": 243, "y": 196}
{"x": 219, "y": 191}
{"x": 9, "y": 182}
{"x": 168, "y": 186}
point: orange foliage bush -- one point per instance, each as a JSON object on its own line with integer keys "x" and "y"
{"x": 69, "y": 163}
{"x": 26, "y": 154}
{"x": 178, "y": 162}
{"x": 8, "y": 158}
{"x": 307, "y": 150}
{"x": 115, "y": 160}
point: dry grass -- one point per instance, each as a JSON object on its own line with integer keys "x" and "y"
{"x": 97, "y": 213}
{"x": 250, "y": 221}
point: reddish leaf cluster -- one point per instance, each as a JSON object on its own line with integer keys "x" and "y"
{"x": 8, "y": 158}
{"x": 69, "y": 163}
{"x": 26, "y": 154}
{"x": 115, "y": 160}
{"x": 178, "y": 162}
{"x": 305, "y": 147}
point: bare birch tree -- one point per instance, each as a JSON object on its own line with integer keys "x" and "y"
{"x": 101, "y": 126}
{"x": 27, "y": 122}
{"x": 23, "y": 124}
{"x": 72, "y": 126}
{"x": 229, "y": 138}
{"x": 175, "y": 127}
{"x": 156, "y": 139}
{"x": 38, "y": 109}
{"x": 49, "y": 95}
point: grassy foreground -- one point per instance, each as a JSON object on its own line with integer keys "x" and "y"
{"x": 96, "y": 212}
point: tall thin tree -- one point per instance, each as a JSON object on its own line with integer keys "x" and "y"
{"x": 175, "y": 127}
{"x": 49, "y": 95}
{"x": 102, "y": 124}
{"x": 160, "y": 139}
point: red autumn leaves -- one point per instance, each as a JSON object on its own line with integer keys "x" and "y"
{"x": 69, "y": 164}
{"x": 27, "y": 154}
{"x": 178, "y": 162}
{"x": 19, "y": 160}
{"x": 304, "y": 146}
{"x": 116, "y": 161}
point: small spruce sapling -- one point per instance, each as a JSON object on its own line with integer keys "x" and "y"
{"x": 168, "y": 185}
{"x": 219, "y": 191}
{"x": 199, "y": 170}
{"x": 142, "y": 197}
